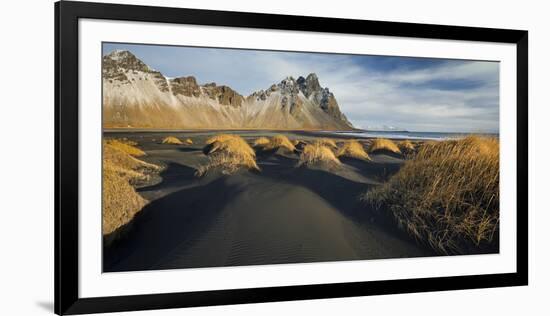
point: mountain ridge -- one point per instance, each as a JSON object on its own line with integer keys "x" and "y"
{"x": 137, "y": 96}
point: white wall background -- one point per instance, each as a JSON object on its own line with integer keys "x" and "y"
{"x": 26, "y": 157}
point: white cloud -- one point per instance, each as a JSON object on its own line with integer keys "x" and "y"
{"x": 377, "y": 98}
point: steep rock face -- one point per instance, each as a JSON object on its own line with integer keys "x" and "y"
{"x": 223, "y": 94}
{"x": 290, "y": 90}
{"x": 186, "y": 86}
{"x": 135, "y": 95}
{"x": 119, "y": 64}
{"x": 311, "y": 89}
{"x": 120, "y": 61}
{"x": 309, "y": 85}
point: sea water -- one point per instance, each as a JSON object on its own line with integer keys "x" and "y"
{"x": 409, "y": 135}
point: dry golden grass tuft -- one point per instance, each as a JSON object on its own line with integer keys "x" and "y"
{"x": 228, "y": 142}
{"x": 317, "y": 153}
{"x": 327, "y": 142}
{"x": 352, "y": 149}
{"x": 188, "y": 141}
{"x": 127, "y": 141}
{"x": 299, "y": 144}
{"x": 126, "y": 165}
{"x": 383, "y": 144}
{"x": 220, "y": 138}
{"x": 447, "y": 196}
{"x": 406, "y": 146}
{"x": 125, "y": 146}
{"x": 120, "y": 171}
{"x": 485, "y": 146}
{"x": 261, "y": 142}
{"x": 228, "y": 153}
{"x": 120, "y": 202}
{"x": 172, "y": 140}
{"x": 276, "y": 142}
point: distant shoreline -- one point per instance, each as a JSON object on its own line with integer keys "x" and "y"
{"x": 338, "y": 134}
{"x": 175, "y": 130}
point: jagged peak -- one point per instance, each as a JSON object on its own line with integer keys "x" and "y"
{"x": 124, "y": 59}
{"x": 309, "y": 85}
{"x": 312, "y": 81}
{"x": 288, "y": 85}
{"x": 312, "y": 76}
{"x": 119, "y": 54}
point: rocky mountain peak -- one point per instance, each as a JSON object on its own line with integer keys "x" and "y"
{"x": 124, "y": 59}
{"x": 118, "y": 54}
{"x": 288, "y": 86}
{"x": 119, "y": 64}
{"x": 309, "y": 85}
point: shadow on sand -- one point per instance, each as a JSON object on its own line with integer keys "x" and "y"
{"x": 189, "y": 149}
{"x": 176, "y": 219}
{"x": 376, "y": 170}
{"x": 174, "y": 174}
{"x": 342, "y": 193}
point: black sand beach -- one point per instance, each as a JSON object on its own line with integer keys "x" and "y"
{"x": 282, "y": 214}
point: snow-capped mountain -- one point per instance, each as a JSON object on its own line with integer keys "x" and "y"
{"x": 135, "y": 95}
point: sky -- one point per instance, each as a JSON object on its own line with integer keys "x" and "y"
{"x": 414, "y": 94}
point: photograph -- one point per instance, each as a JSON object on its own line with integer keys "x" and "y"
{"x": 221, "y": 156}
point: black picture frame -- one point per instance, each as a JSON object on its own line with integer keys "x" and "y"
{"x": 67, "y": 15}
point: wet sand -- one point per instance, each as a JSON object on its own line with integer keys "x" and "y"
{"x": 282, "y": 214}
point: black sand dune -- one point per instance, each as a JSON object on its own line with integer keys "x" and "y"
{"x": 282, "y": 214}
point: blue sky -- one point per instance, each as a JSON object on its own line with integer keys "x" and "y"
{"x": 416, "y": 94}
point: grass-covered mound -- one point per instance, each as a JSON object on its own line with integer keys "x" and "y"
{"x": 352, "y": 149}
{"x": 274, "y": 143}
{"x": 317, "y": 153}
{"x": 447, "y": 196}
{"x": 121, "y": 170}
{"x": 260, "y": 142}
{"x": 406, "y": 146}
{"x": 383, "y": 144}
{"x": 172, "y": 140}
{"x": 228, "y": 153}
{"x": 125, "y": 145}
{"x": 327, "y": 142}
{"x": 299, "y": 144}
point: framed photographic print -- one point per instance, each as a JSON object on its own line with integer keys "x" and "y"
{"x": 208, "y": 157}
